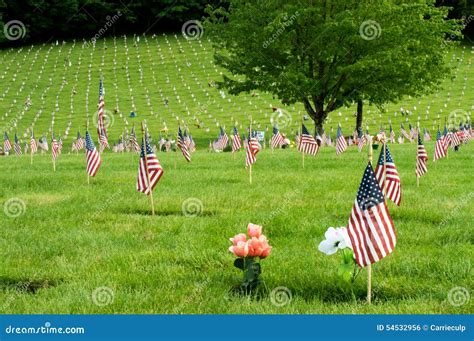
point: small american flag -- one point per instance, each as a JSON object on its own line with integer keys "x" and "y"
{"x": 43, "y": 143}
{"x": 100, "y": 120}
{"x": 362, "y": 141}
{"x": 341, "y": 144}
{"x": 148, "y": 163}
{"x": 392, "y": 135}
{"x": 54, "y": 148}
{"x": 79, "y": 142}
{"x": 427, "y": 136}
{"x": 7, "y": 146}
{"x": 421, "y": 158}
{"x": 307, "y": 143}
{"x": 252, "y": 149}
{"x": 455, "y": 139}
{"x": 133, "y": 141}
{"x": 236, "y": 141}
{"x": 405, "y": 133}
{"x": 277, "y": 138}
{"x": 440, "y": 148}
{"x": 223, "y": 139}
{"x": 391, "y": 186}
{"x": 92, "y": 156}
{"x": 103, "y": 141}
{"x": 33, "y": 144}
{"x": 17, "y": 146}
{"x": 370, "y": 226}
{"x": 182, "y": 145}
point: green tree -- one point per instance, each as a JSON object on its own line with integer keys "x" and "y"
{"x": 332, "y": 53}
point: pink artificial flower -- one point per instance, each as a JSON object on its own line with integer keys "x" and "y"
{"x": 241, "y": 237}
{"x": 254, "y": 230}
{"x": 241, "y": 249}
{"x": 255, "y": 247}
{"x": 266, "y": 248}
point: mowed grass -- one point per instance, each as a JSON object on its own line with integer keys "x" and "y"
{"x": 74, "y": 238}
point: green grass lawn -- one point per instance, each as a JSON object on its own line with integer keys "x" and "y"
{"x": 73, "y": 238}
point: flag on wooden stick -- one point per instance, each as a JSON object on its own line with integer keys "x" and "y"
{"x": 92, "y": 156}
{"x": 370, "y": 228}
{"x": 440, "y": 148}
{"x": 421, "y": 158}
{"x": 7, "y": 145}
{"x": 16, "y": 146}
{"x": 149, "y": 169}
{"x": 341, "y": 144}
{"x": 182, "y": 145}
{"x": 387, "y": 176}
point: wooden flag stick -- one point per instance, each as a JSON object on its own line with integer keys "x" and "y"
{"x": 85, "y": 146}
{"x": 146, "y": 168}
{"x": 369, "y": 267}
{"x": 248, "y": 146}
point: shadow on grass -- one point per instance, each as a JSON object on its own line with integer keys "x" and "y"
{"x": 26, "y": 285}
{"x": 164, "y": 213}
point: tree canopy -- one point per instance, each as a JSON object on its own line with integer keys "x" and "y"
{"x": 330, "y": 53}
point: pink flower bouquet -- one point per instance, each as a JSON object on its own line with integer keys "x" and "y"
{"x": 249, "y": 251}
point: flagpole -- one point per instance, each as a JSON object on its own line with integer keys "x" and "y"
{"x": 147, "y": 173}
{"x": 248, "y": 146}
{"x": 369, "y": 267}
{"x": 85, "y": 146}
{"x": 417, "y": 177}
{"x": 301, "y": 134}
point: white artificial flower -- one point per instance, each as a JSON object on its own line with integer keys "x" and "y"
{"x": 336, "y": 238}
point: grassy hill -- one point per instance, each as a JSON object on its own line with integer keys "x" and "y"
{"x": 167, "y": 79}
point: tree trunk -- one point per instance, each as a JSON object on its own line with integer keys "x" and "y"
{"x": 360, "y": 105}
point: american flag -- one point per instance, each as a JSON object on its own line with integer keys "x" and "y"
{"x": 277, "y": 138}
{"x": 391, "y": 186}
{"x": 54, "y": 148}
{"x": 341, "y": 144}
{"x": 16, "y": 146}
{"x": 362, "y": 141}
{"x": 421, "y": 158}
{"x": 307, "y": 143}
{"x": 223, "y": 139}
{"x": 7, "y": 146}
{"x": 252, "y": 149}
{"x": 43, "y": 143}
{"x": 100, "y": 120}
{"x": 370, "y": 226}
{"x": 455, "y": 139}
{"x": 103, "y": 141}
{"x": 182, "y": 145}
{"x": 440, "y": 148}
{"x": 192, "y": 145}
{"x": 427, "y": 136}
{"x": 148, "y": 163}
{"x": 405, "y": 133}
{"x": 392, "y": 135}
{"x": 92, "y": 156}
{"x": 79, "y": 142}
{"x": 33, "y": 144}
{"x": 133, "y": 141}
